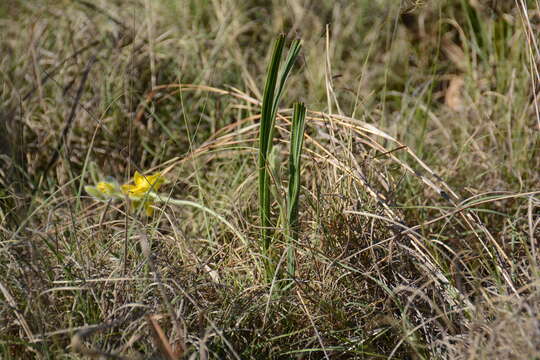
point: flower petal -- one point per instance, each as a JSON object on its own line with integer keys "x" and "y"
{"x": 155, "y": 181}
{"x": 149, "y": 208}
{"x": 93, "y": 191}
{"x": 106, "y": 187}
{"x": 134, "y": 190}
{"x": 139, "y": 179}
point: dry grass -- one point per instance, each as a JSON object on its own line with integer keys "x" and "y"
{"x": 419, "y": 211}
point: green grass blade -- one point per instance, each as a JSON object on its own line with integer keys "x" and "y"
{"x": 283, "y": 76}
{"x": 265, "y": 133}
{"x": 275, "y": 85}
{"x": 273, "y": 90}
{"x": 296, "y": 143}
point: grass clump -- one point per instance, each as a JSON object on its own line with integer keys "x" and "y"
{"x": 411, "y": 231}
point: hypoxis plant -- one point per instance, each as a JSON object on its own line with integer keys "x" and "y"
{"x": 274, "y": 87}
{"x": 142, "y": 193}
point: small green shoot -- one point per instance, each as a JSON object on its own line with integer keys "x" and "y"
{"x": 297, "y": 140}
{"x": 275, "y": 84}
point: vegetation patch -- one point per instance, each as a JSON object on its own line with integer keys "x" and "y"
{"x": 177, "y": 183}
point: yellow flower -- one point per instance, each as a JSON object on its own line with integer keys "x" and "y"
{"x": 104, "y": 190}
{"x": 105, "y": 187}
{"x": 135, "y": 204}
{"x": 148, "y": 208}
{"x": 143, "y": 184}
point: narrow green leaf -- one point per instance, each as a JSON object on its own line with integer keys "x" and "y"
{"x": 296, "y": 143}
{"x": 273, "y": 90}
{"x": 265, "y": 132}
{"x": 270, "y": 104}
